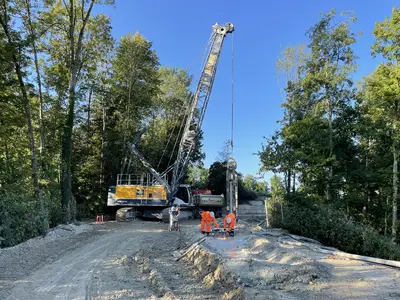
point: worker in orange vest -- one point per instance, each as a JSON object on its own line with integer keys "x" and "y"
{"x": 204, "y": 218}
{"x": 230, "y": 220}
{"x": 207, "y": 218}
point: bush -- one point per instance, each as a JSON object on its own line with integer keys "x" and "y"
{"x": 334, "y": 228}
{"x": 20, "y": 217}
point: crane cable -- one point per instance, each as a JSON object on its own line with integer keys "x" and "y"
{"x": 233, "y": 84}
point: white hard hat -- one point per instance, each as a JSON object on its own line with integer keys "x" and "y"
{"x": 212, "y": 214}
{"x": 229, "y": 220}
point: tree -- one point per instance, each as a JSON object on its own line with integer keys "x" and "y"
{"x": 217, "y": 182}
{"x": 383, "y": 95}
{"x": 160, "y": 143}
{"x": 328, "y": 74}
{"x": 198, "y": 176}
{"x": 277, "y": 188}
{"x": 289, "y": 69}
{"x": 15, "y": 45}
{"x": 217, "y": 178}
{"x": 225, "y": 151}
{"x": 382, "y": 92}
{"x": 33, "y": 36}
{"x": 252, "y": 184}
{"x": 73, "y": 41}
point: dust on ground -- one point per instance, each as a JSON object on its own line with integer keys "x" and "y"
{"x": 136, "y": 260}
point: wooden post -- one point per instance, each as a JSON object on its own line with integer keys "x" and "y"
{"x": 266, "y": 211}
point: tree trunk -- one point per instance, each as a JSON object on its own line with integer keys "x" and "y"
{"x": 366, "y": 189}
{"x": 9, "y": 167}
{"x": 67, "y": 201}
{"x": 103, "y": 130}
{"x": 294, "y": 182}
{"x": 395, "y": 190}
{"x": 27, "y": 109}
{"x": 38, "y": 79}
{"x": 66, "y": 157}
{"x": 89, "y": 134}
{"x": 289, "y": 178}
{"x": 89, "y": 110}
{"x": 386, "y": 215}
{"x": 66, "y": 145}
{"x": 330, "y": 172}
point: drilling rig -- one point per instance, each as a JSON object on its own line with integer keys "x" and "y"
{"x": 149, "y": 194}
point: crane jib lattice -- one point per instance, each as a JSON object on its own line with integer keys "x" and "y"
{"x": 195, "y": 114}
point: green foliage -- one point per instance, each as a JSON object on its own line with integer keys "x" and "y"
{"x": 251, "y": 183}
{"x": 88, "y": 120}
{"x": 217, "y": 178}
{"x": 20, "y": 217}
{"x": 217, "y": 182}
{"x": 334, "y": 228}
{"x": 198, "y": 176}
{"x": 160, "y": 143}
{"x": 338, "y": 146}
{"x": 387, "y": 37}
{"x": 277, "y": 188}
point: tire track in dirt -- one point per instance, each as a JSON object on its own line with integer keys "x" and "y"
{"x": 91, "y": 271}
{"x": 98, "y": 265}
{"x": 173, "y": 279}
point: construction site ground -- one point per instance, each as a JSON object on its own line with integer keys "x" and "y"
{"x": 138, "y": 260}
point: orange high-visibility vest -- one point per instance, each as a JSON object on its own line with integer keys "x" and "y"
{"x": 214, "y": 220}
{"x": 205, "y": 224}
{"x": 232, "y": 224}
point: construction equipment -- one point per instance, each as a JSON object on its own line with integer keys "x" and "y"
{"x": 232, "y": 186}
{"x": 150, "y": 194}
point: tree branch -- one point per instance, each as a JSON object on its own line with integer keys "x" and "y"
{"x": 85, "y": 21}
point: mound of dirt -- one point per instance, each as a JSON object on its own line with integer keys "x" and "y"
{"x": 282, "y": 266}
{"x": 307, "y": 272}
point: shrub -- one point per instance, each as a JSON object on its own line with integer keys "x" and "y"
{"x": 20, "y": 217}
{"x": 334, "y": 228}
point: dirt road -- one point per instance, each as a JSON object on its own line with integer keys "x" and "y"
{"x": 134, "y": 261}
{"x": 98, "y": 266}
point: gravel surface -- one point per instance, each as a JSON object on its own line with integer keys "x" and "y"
{"x": 135, "y": 261}
{"x": 95, "y": 262}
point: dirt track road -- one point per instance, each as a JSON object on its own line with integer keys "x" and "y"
{"x": 134, "y": 261}
{"x": 95, "y": 269}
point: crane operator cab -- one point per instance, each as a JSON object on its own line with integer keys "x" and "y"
{"x": 185, "y": 193}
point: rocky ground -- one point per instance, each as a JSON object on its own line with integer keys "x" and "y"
{"x": 137, "y": 260}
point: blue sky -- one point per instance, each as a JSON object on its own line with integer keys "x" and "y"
{"x": 179, "y": 30}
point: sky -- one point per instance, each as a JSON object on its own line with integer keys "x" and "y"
{"x": 179, "y": 29}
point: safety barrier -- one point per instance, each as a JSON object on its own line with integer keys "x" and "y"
{"x": 99, "y": 219}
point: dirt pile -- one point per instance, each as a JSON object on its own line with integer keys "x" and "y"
{"x": 281, "y": 266}
{"x": 308, "y": 272}
{"x": 214, "y": 275}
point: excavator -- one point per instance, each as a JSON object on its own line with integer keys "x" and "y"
{"x": 149, "y": 195}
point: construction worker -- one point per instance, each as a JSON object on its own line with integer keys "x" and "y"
{"x": 204, "y": 217}
{"x": 174, "y": 212}
{"x": 230, "y": 220}
{"x": 207, "y": 218}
